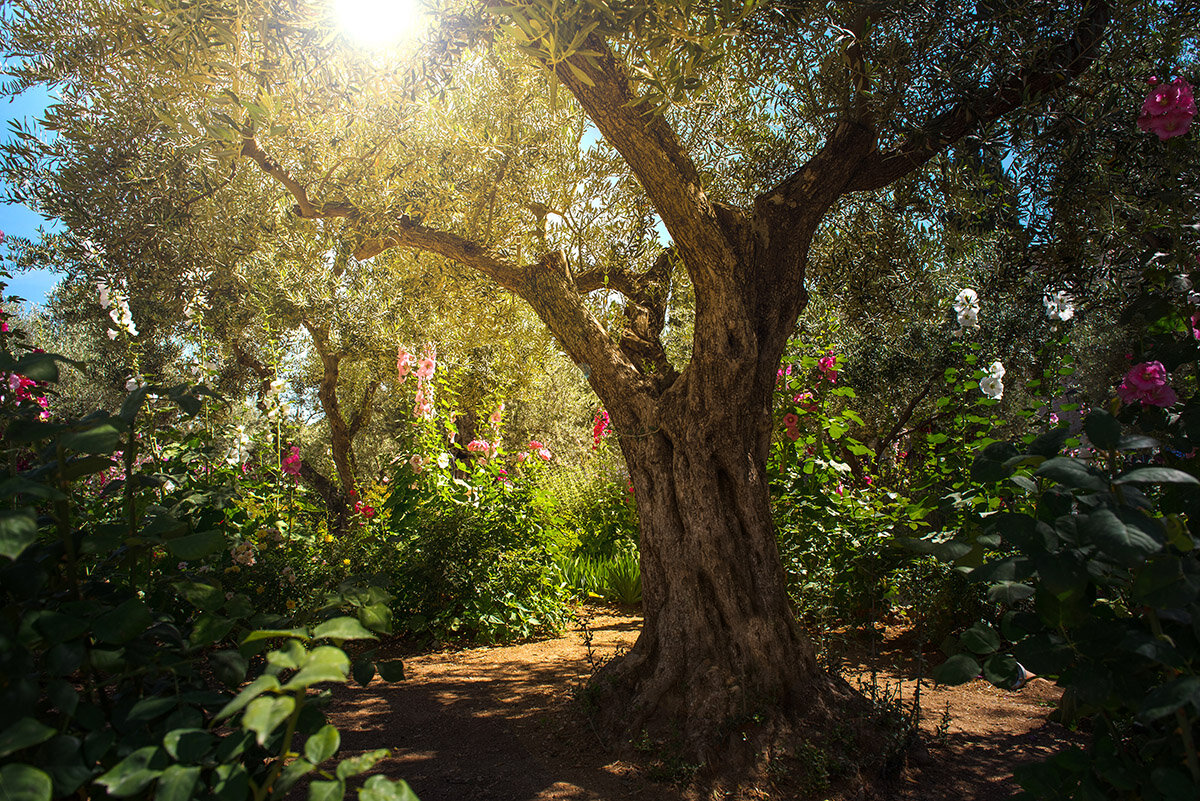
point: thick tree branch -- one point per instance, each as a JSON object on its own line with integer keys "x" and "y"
{"x": 363, "y": 411}
{"x": 652, "y": 150}
{"x": 1060, "y": 67}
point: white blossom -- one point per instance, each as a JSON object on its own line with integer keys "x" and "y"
{"x": 1059, "y": 305}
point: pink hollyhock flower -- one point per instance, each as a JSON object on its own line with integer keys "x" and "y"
{"x": 792, "y": 433}
{"x": 790, "y": 420}
{"x": 1147, "y": 375}
{"x": 417, "y": 462}
{"x": 497, "y": 415}
{"x": 1147, "y": 383}
{"x": 1168, "y": 109}
{"x": 544, "y": 454}
{"x": 534, "y": 445}
{"x": 522, "y": 456}
{"x": 291, "y": 462}
{"x": 425, "y": 368}
{"x": 1196, "y": 325}
{"x": 828, "y": 367}
{"x": 478, "y": 446}
{"x": 404, "y": 363}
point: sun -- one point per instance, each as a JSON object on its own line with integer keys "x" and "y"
{"x": 378, "y": 23}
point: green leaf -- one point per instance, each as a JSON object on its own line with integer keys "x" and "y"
{"x": 1072, "y": 473}
{"x": 177, "y": 783}
{"x": 376, "y": 617}
{"x": 122, "y": 624}
{"x": 327, "y": 791}
{"x": 342, "y": 628}
{"x": 251, "y": 691}
{"x": 229, "y": 667}
{"x": 981, "y": 639}
{"x": 293, "y": 773}
{"x": 24, "y": 783}
{"x": 132, "y": 404}
{"x": 230, "y": 783}
{"x": 325, "y": 663}
{"x": 1043, "y": 655}
{"x": 1102, "y": 429}
{"x": 1156, "y": 475}
{"x": 363, "y": 671}
{"x": 958, "y": 669}
{"x": 1171, "y": 696}
{"x": 85, "y": 466}
{"x": 24, "y": 733}
{"x": 135, "y": 772}
{"x": 18, "y": 530}
{"x": 196, "y": 546}
{"x": 1001, "y": 670}
{"x": 266, "y": 713}
{"x": 1128, "y": 544}
{"x": 391, "y": 670}
{"x": 102, "y": 438}
{"x": 1009, "y": 592}
{"x": 40, "y": 366}
{"x": 322, "y": 745}
{"x": 380, "y": 788}
{"x": 1051, "y": 442}
{"x": 18, "y": 485}
{"x": 361, "y": 763}
{"x": 205, "y": 597}
{"x": 270, "y": 634}
{"x": 1163, "y": 583}
{"x": 188, "y": 745}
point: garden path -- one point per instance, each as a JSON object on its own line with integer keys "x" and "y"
{"x": 498, "y": 724}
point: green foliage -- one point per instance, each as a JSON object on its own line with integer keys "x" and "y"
{"x": 468, "y": 557}
{"x": 616, "y": 578}
{"x": 1102, "y": 590}
{"x": 124, "y": 673}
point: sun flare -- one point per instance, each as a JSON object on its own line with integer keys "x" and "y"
{"x": 378, "y": 23}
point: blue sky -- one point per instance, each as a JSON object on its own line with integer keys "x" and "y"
{"x": 17, "y": 220}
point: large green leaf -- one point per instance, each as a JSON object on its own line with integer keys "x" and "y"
{"x": 1156, "y": 475}
{"x": 101, "y": 438}
{"x": 122, "y": 624}
{"x": 324, "y": 663}
{"x": 18, "y": 530}
{"x": 380, "y": 788}
{"x": 980, "y": 639}
{"x": 322, "y": 745}
{"x": 196, "y": 546}
{"x": 251, "y": 691}
{"x": 22, "y": 734}
{"x": 342, "y": 628}
{"x": 135, "y": 772}
{"x": 18, "y": 485}
{"x": 188, "y": 745}
{"x": 24, "y": 783}
{"x": 177, "y": 783}
{"x": 958, "y": 669}
{"x": 327, "y": 791}
{"x": 1072, "y": 473}
{"x": 361, "y": 763}
{"x": 1171, "y": 696}
{"x": 1128, "y": 544}
{"x": 265, "y": 713}
{"x": 1102, "y": 429}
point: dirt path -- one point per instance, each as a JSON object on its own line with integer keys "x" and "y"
{"x": 499, "y": 724}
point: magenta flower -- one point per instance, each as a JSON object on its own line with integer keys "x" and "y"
{"x": 291, "y": 462}
{"x": 1168, "y": 109}
{"x": 790, "y": 420}
{"x": 1146, "y": 383}
{"x": 828, "y": 367}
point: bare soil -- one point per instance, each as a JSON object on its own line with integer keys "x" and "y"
{"x": 503, "y": 723}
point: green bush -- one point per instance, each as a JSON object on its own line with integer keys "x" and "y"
{"x": 467, "y": 557}
{"x": 616, "y": 578}
{"x": 120, "y": 667}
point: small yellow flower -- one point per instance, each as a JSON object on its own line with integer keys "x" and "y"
{"x": 259, "y": 590}
{"x": 345, "y": 561}
{"x": 329, "y": 538}
{"x": 234, "y": 569}
{"x": 291, "y": 604}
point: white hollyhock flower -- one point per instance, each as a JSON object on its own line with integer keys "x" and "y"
{"x": 1059, "y": 305}
{"x": 992, "y": 386}
{"x": 996, "y": 370}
